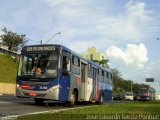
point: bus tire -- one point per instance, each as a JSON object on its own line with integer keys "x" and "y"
{"x": 73, "y": 99}
{"x": 39, "y": 101}
{"x": 101, "y": 99}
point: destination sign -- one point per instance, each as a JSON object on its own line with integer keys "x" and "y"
{"x": 149, "y": 79}
{"x": 41, "y": 48}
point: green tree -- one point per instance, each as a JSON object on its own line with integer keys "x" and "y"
{"x": 117, "y": 81}
{"x": 12, "y": 40}
{"x": 122, "y": 85}
{"x": 103, "y": 63}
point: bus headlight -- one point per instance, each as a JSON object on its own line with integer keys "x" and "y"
{"x": 18, "y": 86}
{"x": 54, "y": 87}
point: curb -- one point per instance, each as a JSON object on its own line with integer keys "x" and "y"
{"x": 1, "y": 94}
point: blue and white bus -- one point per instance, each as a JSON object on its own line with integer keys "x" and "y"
{"x": 54, "y": 72}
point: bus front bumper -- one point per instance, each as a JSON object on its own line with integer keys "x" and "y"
{"x": 52, "y": 93}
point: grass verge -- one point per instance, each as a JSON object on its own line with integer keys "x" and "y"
{"x": 8, "y": 69}
{"x": 135, "y": 110}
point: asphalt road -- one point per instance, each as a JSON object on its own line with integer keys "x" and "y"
{"x": 13, "y": 106}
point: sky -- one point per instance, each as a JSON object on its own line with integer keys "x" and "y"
{"x": 125, "y": 30}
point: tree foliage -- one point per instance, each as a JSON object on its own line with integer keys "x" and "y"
{"x": 13, "y": 40}
{"x": 122, "y": 85}
{"x": 103, "y": 63}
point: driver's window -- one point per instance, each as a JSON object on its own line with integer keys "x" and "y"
{"x": 66, "y": 63}
{"x": 66, "y": 66}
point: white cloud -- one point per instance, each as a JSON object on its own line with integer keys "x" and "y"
{"x": 66, "y": 2}
{"x": 135, "y": 55}
{"x": 128, "y": 25}
{"x": 138, "y": 11}
{"x": 81, "y": 21}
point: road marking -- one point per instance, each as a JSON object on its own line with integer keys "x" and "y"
{"x": 14, "y": 102}
{"x": 55, "y": 111}
{"x": 49, "y": 111}
{"x": 3, "y": 102}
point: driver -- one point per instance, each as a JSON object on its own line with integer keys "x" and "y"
{"x": 37, "y": 70}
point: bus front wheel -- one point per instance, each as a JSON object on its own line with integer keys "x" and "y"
{"x": 73, "y": 99}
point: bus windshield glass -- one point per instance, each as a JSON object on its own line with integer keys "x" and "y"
{"x": 143, "y": 91}
{"x": 38, "y": 65}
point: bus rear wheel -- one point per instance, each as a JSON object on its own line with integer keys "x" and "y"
{"x": 101, "y": 99}
{"x": 39, "y": 101}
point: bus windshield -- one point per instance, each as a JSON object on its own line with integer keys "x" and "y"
{"x": 143, "y": 91}
{"x": 38, "y": 65}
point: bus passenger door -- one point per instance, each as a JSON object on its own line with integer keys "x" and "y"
{"x": 83, "y": 80}
{"x": 94, "y": 83}
{"x": 64, "y": 80}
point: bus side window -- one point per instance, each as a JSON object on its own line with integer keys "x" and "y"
{"x": 66, "y": 66}
{"x": 102, "y": 75}
{"x": 75, "y": 65}
{"x": 105, "y": 77}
